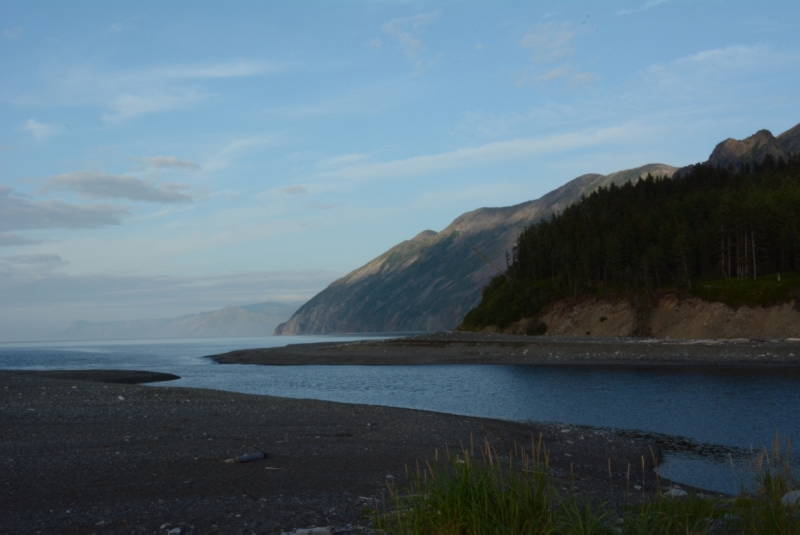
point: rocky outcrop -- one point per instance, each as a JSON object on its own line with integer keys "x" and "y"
{"x": 431, "y": 281}
{"x": 790, "y": 140}
{"x": 670, "y": 317}
{"x": 735, "y": 153}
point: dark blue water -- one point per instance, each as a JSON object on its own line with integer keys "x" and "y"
{"x": 740, "y": 409}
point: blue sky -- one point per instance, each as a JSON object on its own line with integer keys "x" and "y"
{"x": 161, "y": 158}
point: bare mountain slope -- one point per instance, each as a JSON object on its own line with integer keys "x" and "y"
{"x": 431, "y": 281}
{"x": 735, "y": 153}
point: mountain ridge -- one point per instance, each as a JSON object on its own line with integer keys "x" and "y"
{"x": 429, "y": 282}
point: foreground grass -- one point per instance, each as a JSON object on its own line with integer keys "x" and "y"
{"x": 477, "y": 495}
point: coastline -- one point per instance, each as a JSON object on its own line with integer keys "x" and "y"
{"x": 83, "y": 454}
{"x": 490, "y": 348}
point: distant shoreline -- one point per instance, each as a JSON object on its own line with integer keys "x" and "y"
{"x": 480, "y": 348}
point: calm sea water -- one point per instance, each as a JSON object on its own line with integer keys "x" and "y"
{"x": 744, "y": 409}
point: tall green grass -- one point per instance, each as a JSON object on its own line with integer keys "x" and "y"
{"x": 486, "y": 494}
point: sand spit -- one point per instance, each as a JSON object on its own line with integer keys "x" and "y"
{"x": 490, "y": 348}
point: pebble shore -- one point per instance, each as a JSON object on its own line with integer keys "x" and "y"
{"x": 89, "y": 452}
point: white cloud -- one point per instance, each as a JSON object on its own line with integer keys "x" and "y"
{"x": 294, "y": 190}
{"x": 716, "y": 69}
{"x": 550, "y": 41}
{"x": 481, "y": 155}
{"x": 341, "y": 160}
{"x": 169, "y": 162}
{"x": 99, "y": 185}
{"x": 18, "y": 213}
{"x": 39, "y": 130}
{"x": 406, "y": 32}
{"x": 565, "y": 72}
{"x": 233, "y": 150}
{"x": 650, "y": 4}
{"x": 728, "y": 58}
{"x": 200, "y": 71}
{"x": 125, "y": 94}
{"x": 127, "y": 106}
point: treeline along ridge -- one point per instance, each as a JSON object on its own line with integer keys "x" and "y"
{"x": 718, "y": 233}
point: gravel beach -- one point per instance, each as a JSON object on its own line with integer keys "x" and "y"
{"x": 88, "y": 452}
{"x": 485, "y": 348}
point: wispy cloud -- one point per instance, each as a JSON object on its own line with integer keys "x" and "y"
{"x": 550, "y": 41}
{"x": 406, "y": 32}
{"x": 19, "y": 213}
{"x": 707, "y": 69}
{"x": 481, "y": 154}
{"x": 565, "y": 72}
{"x": 100, "y": 185}
{"x": 294, "y": 190}
{"x": 201, "y": 71}
{"x": 125, "y": 94}
{"x": 341, "y": 160}
{"x": 127, "y": 106}
{"x": 650, "y": 4}
{"x": 169, "y": 162}
{"x": 235, "y": 149}
{"x": 39, "y": 130}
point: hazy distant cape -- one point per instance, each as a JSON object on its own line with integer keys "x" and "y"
{"x": 431, "y": 281}
{"x": 248, "y": 320}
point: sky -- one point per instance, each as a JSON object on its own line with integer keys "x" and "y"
{"x": 164, "y": 158}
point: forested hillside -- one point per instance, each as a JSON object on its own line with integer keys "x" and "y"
{"x": 711, "y": 224}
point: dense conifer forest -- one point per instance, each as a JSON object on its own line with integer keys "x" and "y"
{"x": 738, "y": 228}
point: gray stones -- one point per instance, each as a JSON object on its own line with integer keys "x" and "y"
{"x": 676, "y": 492}
{"x": 791, "y": 498}
{"x": 312, "y": 531}
{"x": 247, "y": 457}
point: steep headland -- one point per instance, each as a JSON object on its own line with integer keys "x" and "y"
{"x": 429, "y": 282}
{"x": 714, "y": 252}
{"x": 433, "y": 280}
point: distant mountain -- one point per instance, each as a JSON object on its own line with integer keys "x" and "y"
{"x": 431, "y": 281}
{"x": 258, "y": 319}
